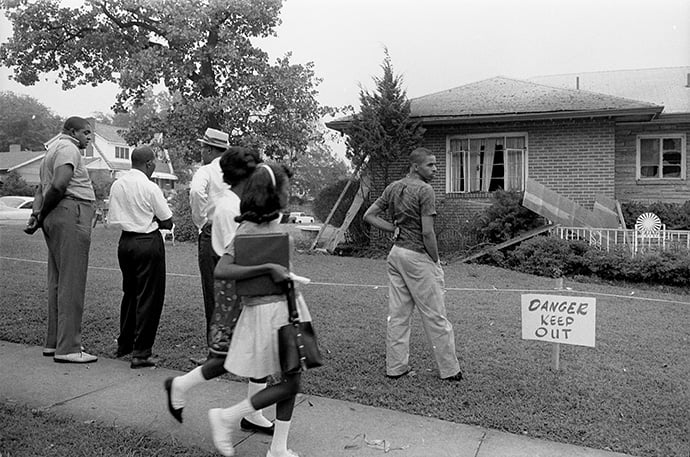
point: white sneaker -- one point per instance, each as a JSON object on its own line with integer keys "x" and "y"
{"x": 49, "y": 352}
{"x": 222, "y": 437}
{"x": 75, "y": 357}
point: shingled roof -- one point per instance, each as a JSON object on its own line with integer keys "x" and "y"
{"x": 504, "y": 99}
{"x": 109, "y": 132}
{"x": 12, "y": 160}
{"x": 667, "y": 86}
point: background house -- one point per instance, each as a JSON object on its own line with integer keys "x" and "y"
{"x": 499, "y": 132}
{"x": 107, "y": 155}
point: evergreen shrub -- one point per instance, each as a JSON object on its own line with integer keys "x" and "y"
{"x": 185, "y": 230}
{"x": 506, "y": 218}
{"x": 14, "y": 184}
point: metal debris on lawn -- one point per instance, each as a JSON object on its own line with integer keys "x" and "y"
{"x": 382, "y": 445}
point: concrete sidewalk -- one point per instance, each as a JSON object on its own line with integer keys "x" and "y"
{"x": 110, "y": 392}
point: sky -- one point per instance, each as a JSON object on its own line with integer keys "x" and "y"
{"x": 440, "y": 44}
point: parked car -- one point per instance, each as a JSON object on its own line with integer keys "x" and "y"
{"x": 15, "y": 208}
{"x": 300, "y": 218}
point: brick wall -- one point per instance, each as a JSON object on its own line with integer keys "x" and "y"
{"x": 579, "y": 159}
{"x": 627, "y": 186}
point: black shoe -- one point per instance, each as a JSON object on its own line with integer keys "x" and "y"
{"x": 176, "y": 413}
{"x": 246, "y": 425}
{"x": 456, "y": 377}
{"x": 122, "y": 352}
{"x": 398, "y": 376}
{"x": 143, "y": 362}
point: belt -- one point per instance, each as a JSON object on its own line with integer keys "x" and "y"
{"x": 128, "y": 234}
{"x": 83, "y": 200}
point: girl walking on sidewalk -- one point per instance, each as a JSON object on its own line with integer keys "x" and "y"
{"x": 253, "y": 350}
{"x": 237, "y": 165}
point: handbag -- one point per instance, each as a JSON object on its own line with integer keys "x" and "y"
{"x": 298, "y": 349}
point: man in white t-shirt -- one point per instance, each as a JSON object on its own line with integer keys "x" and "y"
{"x": 139, "y": 209}
{"x": 206, "y": 187}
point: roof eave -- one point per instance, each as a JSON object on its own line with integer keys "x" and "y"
{"x": 645, "y": 114}
{"x": 632, "y": 114}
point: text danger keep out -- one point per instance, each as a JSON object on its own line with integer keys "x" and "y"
{"x": 556, "y": 316}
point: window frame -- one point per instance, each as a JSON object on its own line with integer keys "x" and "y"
{"x": 661, "y": 137}
{"x": 488, "y": 135}
{"x": 122, "y": 148}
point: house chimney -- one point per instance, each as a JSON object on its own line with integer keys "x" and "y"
{"x": 15, "y": 148}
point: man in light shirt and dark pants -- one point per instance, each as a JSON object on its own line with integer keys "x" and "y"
{"x": 139, "y": 209}
{"x": 206, "y": 187}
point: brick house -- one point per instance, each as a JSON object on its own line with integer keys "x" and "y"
{"x": 499, "y": 132}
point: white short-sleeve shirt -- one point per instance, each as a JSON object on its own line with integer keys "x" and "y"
{"x": 134, "y": 201}
{"x": 223, "y": 226}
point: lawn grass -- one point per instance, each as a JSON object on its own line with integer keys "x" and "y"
{"x": 32, "y": 432}
{"x": 630, "y": 394}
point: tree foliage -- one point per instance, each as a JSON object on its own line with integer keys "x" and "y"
{"x": 25, "y": 121}
{"x": 314, "y": 170}
{"x": 382, "y": 131}
{"x": 200, "y": 50}
{"x": 14, "y": 184}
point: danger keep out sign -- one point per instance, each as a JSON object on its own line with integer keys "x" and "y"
{"x": 559, "y": 319}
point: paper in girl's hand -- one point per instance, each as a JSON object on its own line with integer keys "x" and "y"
{"x": 299, "y": 279}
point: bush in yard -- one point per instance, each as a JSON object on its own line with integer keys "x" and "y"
{"x": 358, "y": 230}
{"x": 185, "y": 230}
{"x": 14, "y": 184}
{"x": 663, "y": 268}
{"x": 506, "y": 218}
{"x": 554, "y": 257}
{"x": 675, "y": 216}
{"x": 549, "y": 256}
{"x": 324, "y": 201}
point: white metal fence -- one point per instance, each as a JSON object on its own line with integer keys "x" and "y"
{"x": 636, "y": 241}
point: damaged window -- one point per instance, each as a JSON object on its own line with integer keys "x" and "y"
{"x": 486, "y": 164}
{"x": 661, "y": 157}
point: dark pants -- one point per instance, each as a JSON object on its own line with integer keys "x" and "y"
{"x": 207, "y": 264}
{"x": 142, "y": 262}
{"x": 67, "y": 231}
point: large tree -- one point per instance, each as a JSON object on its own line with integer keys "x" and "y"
{"x": 382, "y": 131}
{"x": 200, "y": 50}
{"x": 25, "y": 121}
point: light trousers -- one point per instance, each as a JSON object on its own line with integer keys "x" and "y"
{"x": 415, "y": 281}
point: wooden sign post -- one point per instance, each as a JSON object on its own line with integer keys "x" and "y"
{"x": 558, "y": 319}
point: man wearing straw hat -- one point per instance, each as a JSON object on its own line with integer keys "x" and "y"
{"x": 206, "y": 186}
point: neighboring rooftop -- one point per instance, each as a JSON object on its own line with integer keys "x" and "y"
{"x": 12, "y": 160}
{"x": 669, "y": 87}
{"x": 109, "y": 132}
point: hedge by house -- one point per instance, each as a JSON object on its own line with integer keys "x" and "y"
{"x": 675, "y": 216}
{"x": 554, "y": 257}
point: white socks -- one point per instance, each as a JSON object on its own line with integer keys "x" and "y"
{"x": 234, "y": 413}
{"x": 279, "y": 442}
{"x": 181, "y": 384}
{"x": 256, "y": 418}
